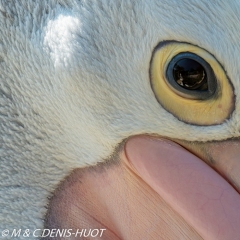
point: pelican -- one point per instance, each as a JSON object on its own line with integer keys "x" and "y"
{"x": 97, "y": 135}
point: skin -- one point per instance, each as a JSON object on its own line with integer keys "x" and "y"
{"x": 155, "y": 189}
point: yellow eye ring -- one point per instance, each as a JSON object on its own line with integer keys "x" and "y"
{"x": 213, "y": 110}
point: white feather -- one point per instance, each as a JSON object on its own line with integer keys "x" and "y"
{"x": 75, "y": 83}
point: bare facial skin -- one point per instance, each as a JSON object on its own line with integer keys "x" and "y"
{"x": 155, "y": 190}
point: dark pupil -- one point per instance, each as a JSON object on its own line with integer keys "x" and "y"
{"x": 190, "y": 74}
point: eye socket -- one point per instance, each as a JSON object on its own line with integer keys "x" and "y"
{"x": 190, "y": 83}
{"x": 191, "y": 76}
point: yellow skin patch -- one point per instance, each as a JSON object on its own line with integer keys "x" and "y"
{"x": 211, "y": 111}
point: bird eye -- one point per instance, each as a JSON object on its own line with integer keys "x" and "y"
{"x": 191, "y": 84}
{"x": 191, "y": 76}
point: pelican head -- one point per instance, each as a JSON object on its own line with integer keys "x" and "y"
{"x": 100, "y": 99}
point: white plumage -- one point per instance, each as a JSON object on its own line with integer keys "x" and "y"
{"x": 75, "y": 83}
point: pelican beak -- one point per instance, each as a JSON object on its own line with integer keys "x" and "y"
{"x": 157, "y": 189}
{"x": 208, "y": 199}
